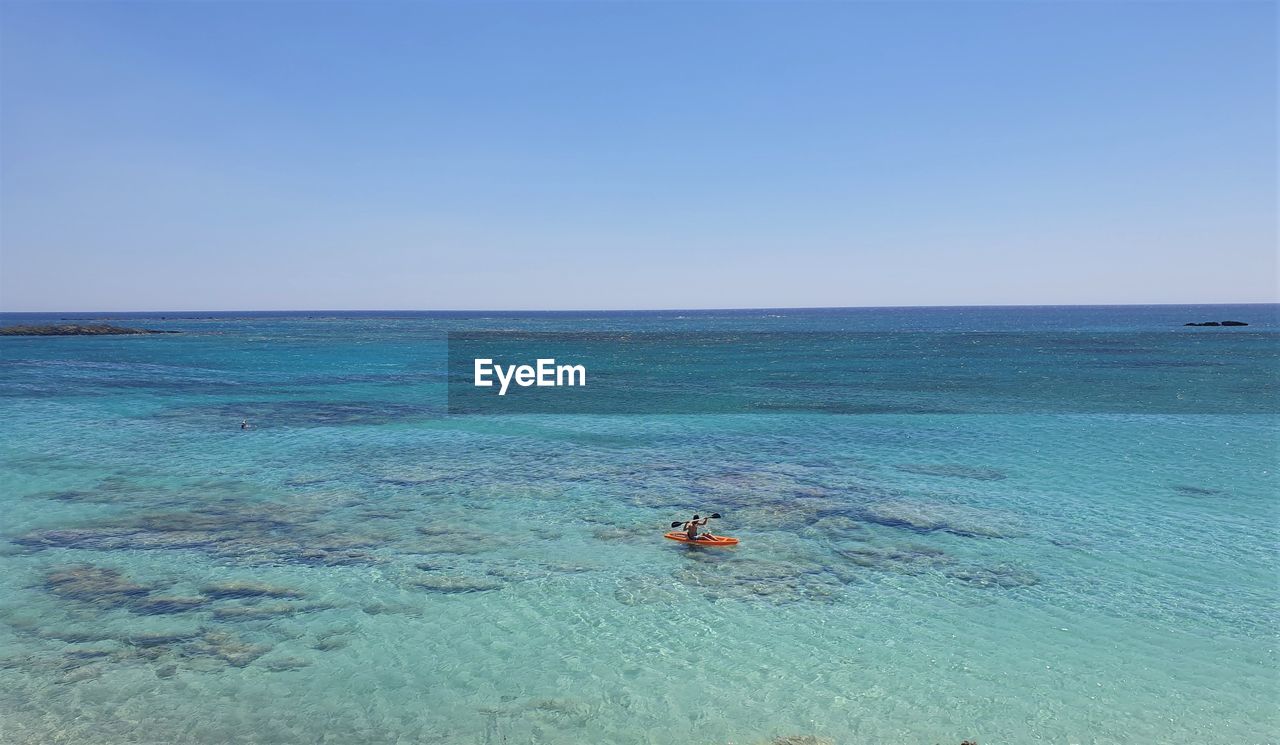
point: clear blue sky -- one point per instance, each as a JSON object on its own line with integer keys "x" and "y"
{"x": 232, "y": 155}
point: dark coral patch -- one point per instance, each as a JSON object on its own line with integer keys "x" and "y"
{"x": 164, "y": 605}
{"x": 1195, "y": 491}
{"x": 244, "y": 589}
{"x": 229, "y": 530}
{"x": 226, "y": 647}
{"x": 94, "y": 584}
{"x": 260, "y": 611}
{"x": 453, "y": 584}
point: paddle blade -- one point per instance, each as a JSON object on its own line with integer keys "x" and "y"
{"x": 676, "y": 524}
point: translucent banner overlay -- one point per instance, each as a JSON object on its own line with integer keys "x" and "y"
{"x": 861, "y": 373}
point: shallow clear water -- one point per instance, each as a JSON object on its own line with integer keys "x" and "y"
{"x": 1025, "y": 568}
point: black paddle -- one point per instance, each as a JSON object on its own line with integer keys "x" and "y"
{"x": 678, "y": 523}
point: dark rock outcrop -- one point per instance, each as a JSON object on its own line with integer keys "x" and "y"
{"x": 72, "y": 329}
{"x": 225, "y": 590}
{"x": 1218, "y": 323}
{"x": 90, "y": 583}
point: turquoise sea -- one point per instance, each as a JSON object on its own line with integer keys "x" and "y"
{"x": 1009, "y": 525}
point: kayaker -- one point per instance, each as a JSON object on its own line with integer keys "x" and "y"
{"x": 691, "y": 527}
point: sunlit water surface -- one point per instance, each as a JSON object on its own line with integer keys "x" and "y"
{"x": 361, "y": 567}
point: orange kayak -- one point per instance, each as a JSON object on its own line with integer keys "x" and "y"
{"x": 719, "y": 540}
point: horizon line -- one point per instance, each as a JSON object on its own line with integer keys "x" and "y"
{"x": 637, "y": 310}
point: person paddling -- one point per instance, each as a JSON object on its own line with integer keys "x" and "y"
{"x": 691, "y": 528}
{"x": 688, "y": 532}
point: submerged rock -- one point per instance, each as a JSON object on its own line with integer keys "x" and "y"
{"x": 836, "y": 526}
{"x": 96, "y": 539}
{"x": 228, "y": 648}
{"x": 230, "y": 530}
{"x": 441, "y": 539}
{"x": 917, "y": 559}
{"x": 760, "y": 579}
{"x": 73, "y": 329}
{"x": 153, "y": 606}
{"x": 926, "y": 518}
{"x": 1000, "y": 575}
{"x": 246, "y": 589}
{"x": 152, "y": 653}
{"x": 160, "y": 639}
{"x": 72, "y": 495}
{"x": 335, "y": 558}
{"x": 94, "y": 584}
{"x": 624, "y": 535}
{"x": 382, "y": 609}
{"x": 82, "y": 674}
{"x": 570, "y": 710}
{"x": 450, "y": 584}
{"x": 76, "y": 636}
{"x": 282, "y": 664}
{"x": 910, "y": 559}
{"x": 265, "y": 610}
{"x": 329, "y": 645}
{"x": 1198, "y": 491}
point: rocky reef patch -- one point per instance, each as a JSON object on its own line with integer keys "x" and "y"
{"x": 75, "y": 329}
{"x": 93, "y": 584}
{"x": 451, "y": 584}
{"x": 243, "y": 589}
{"x": 916, "y": 559}
{"x": 105, "y": 588}
{"x": 929, "y": 517}
{"x": 760, "y": 579}
{"x": 801, "y": 740}
{"x": 160, "y": 628}
{"x": 233, "y": 531}
{"x": 1195, "y": 491}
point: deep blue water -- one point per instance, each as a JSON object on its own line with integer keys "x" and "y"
{"x": 1003, "y": 524}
